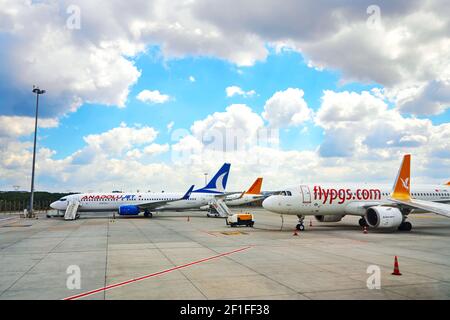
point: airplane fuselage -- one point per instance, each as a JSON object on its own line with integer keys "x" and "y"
{"x": 333, "y": 199}
{"x": 97, "y": 202}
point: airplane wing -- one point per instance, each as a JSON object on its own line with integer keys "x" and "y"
{"x": 157, "y": 204}
{"x": 225, "y": 194}
{"x": 434, "y": 207}
{"x": 242, "y": 194}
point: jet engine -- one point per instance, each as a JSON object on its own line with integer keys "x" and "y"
{"x": 384, "y": 217}
{"x": 129, "y": 210}
{"x": 329, "y": 218}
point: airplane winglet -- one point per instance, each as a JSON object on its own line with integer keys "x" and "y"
{"x": 401, "y": 190}
{"x": 188, "y": 193}
{"x": 256, "y": 187}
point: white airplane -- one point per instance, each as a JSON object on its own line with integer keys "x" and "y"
{"x": 134, "y": 203}
{"x": 251, "y": 195}
{"x": 378, "y": 205}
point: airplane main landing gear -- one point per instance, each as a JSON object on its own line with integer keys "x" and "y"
{"x": 405, "y": 226}
{"x": 148, "y": 214}
{"x": 363, "y": 222}
{"x": 300, "y": 226}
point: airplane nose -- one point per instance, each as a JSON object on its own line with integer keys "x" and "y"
{"x": 269, "y": 203}
{"x": 53, "y": 205}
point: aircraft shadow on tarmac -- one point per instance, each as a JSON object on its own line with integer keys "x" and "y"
{"x": 319, "y": 228}
{"x": 261, "y": 226}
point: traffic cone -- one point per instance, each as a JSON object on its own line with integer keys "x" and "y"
{"x": 396, "y": 269}
{"x": 295, "y": 233}
{"x": 365, "y": 230}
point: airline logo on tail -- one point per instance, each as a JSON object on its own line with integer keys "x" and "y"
{"x": 218, "y": 183}
{"x": 402, "y": 183}
{"x": 405, "y": 183}
{"x": 256, "y": 187}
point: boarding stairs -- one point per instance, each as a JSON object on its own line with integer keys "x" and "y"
{"x": 220, "y": 207}
{"x": 71, "y": 211}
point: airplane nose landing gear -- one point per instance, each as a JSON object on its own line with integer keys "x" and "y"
{"x": 300, "y": 226}
{"x": 148, "y": 214}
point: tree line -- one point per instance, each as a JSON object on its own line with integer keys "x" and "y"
{"x": 13, "y": 201}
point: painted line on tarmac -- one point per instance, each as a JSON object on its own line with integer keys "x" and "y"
{"x": 2, "y": 220}
{"x": 120, "y": 284}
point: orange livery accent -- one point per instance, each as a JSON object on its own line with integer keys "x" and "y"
{"x": 402, "y": 183}
{"x": 256, "y": 187}
{"x": 448, "y": 183}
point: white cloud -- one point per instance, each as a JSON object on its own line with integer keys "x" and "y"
{"x": 117, "y": 158}
{"x": 231, "y": 129}
{"x": 134, "y": 154}
{"x": 411, "y": 44}
{"x": 117, "y": 140}
{"x": 287, "y": 108}
{"x": 431, "y": 98}
{"x": 237, "y": 91}
{"x": 155, "y": 149}
{"x": 74, "y": 66}
{"x": 16, "y": 126}
{"x": 154, "y": 96}
{"x": 191, "y": 79}
{"x": 95, "y": 63}
{"x": 343, "y": 109}
{"x": 361, "y": 123}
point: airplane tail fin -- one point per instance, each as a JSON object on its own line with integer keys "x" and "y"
{"x": 256, "y": 187}
{"x": 218, "y": 183}
{"x": 448, "y": 183}
{"x": 401, "y": 190}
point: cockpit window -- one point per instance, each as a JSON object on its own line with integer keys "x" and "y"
{"x": 288, "y": 193}
{"x": 63, "y": 199}
{"x": 283, "y": 193}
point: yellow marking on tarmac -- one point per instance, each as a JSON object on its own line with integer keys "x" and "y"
{"x": 427, "y": 217}
{"x": 233, "y": 233}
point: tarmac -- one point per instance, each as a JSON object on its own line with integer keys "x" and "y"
{"x": 186, "y": 255}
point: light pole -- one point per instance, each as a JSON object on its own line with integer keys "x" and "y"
{"x": 38, "y": 92}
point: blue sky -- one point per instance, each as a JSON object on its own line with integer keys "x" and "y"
{"x": 196, "y": 100}
{"x": 347, "y": 93}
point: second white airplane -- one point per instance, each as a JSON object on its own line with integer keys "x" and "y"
{"x": 380, "y": 206}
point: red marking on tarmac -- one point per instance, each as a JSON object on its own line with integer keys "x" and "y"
{"x": 88, "y": 293}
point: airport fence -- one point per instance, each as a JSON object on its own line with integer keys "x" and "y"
{"x": 21, "y": 205}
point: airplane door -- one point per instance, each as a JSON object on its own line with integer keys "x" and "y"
{"x": 306, "y": 194}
